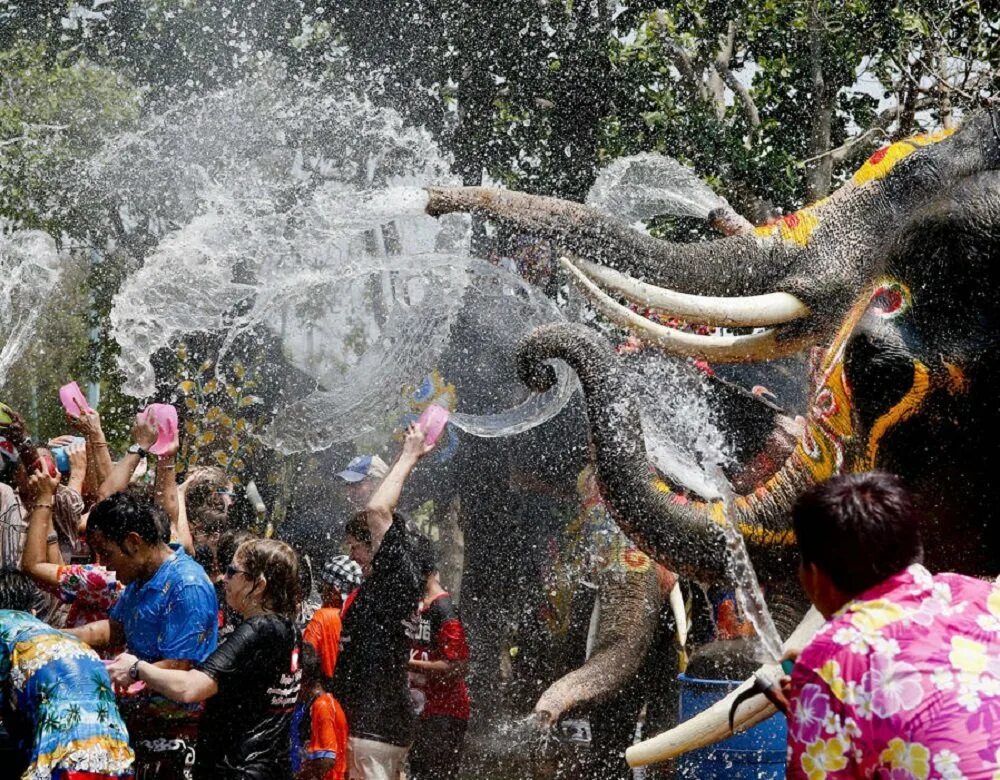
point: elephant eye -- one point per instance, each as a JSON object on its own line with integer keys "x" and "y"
{"x": 890, "y": 299}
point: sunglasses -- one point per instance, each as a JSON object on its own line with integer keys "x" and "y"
{"x": 232, "y": 571}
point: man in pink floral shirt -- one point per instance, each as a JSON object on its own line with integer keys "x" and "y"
{"x": 903, "y": 681}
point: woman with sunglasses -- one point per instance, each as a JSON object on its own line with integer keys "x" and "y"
{"x": 250, "y": 683}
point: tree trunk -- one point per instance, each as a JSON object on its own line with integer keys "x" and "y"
{"x": 819, "y": 171}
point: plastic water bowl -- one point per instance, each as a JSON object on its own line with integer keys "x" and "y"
{"x": 755, "y": 754}
{"x": 432, "y": 420}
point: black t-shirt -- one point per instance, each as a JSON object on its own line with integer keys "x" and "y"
{"x": 370, "y": 680}
{"x": 244, "y": 731}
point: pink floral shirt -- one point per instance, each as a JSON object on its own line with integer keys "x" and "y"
{"x": 90, "y": 591}
{"x": 903, "y": 682}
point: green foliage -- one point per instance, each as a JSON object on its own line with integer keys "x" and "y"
{"x": 53, "y": 116}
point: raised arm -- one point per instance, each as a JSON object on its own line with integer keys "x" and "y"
{"x": 167, "y": 495}
{"x": 35, "y": 558}
{"x": 77, "y": 454}
{"x": 144, "y": 435}
{"x": 99, "y": 464}
{"x": 385, "y": 498}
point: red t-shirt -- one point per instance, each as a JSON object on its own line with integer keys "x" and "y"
{"x": 436, "y": 634}
{"x": 323, "y": 633}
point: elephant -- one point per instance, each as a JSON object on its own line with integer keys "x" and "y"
{"x": 887, "y": 286}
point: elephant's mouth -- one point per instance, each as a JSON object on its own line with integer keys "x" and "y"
{"x": 769, "y": 316}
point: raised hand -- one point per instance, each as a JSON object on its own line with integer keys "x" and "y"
{"x": 144, "y": 433}
{"x": 40, "y": 488}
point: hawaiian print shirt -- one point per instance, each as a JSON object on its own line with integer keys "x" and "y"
{"x": 61, "y": 697}
{"x": 903, "y": 682}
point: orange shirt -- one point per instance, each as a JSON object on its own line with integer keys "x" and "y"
{"x": 327, "y": 739}
{"x": 323, "y": 633}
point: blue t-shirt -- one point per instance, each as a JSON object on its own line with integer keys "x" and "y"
{"x": 173, "y": 615}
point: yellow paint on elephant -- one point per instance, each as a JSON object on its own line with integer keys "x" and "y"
{"x": 797, "y": 227}
{"x": 958, "y": 382}
{"x": 885, "y": 159}
{"x": 905, "y": 408}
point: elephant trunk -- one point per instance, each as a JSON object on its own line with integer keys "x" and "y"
{"x": 734, "y": 266}
{"x": 678, "y": 535}
{"x": 684, "y": 535}
{"x": 629, "y": 605}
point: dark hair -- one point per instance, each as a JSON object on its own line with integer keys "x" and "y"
{"x": 357, "y": 527}
{"x": 858, "y": 529}
{"x": 126, "y": 512}
{"x": 229, "y": 542}
{"x": 18, "y": 591}
{"x": 423, "y": 554}
{"x": 279, "y": 565}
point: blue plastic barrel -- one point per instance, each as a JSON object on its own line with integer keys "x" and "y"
{"x": 757, "y": 754}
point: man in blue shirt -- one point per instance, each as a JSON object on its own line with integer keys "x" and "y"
{"x": 167, "y": 616}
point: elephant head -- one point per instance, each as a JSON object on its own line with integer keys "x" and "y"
{"x": 889, "y": 282}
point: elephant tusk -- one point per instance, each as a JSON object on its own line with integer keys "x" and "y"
{"x": 712, "y": 725}
{"x": 719, "y": 349}
{"x": 740, "y": 311}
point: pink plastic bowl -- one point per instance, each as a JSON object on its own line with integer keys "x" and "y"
{"x": 164, "y": 418}
{"x": 433, "y": 420}
{"x": 73, "y": 400}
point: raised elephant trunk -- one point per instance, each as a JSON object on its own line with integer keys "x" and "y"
{"x": 801, "y": 273}
{"x": 629, "y": 604}
{"x": 685, "y": 536}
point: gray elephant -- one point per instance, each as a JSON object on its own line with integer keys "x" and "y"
{"x": 890, "y": 280}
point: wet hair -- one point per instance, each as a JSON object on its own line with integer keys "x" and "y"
{"x": 126, "y": 512}
{"x": 423, "y": 554}
{"x": 279, "y": 565}
{"x": 357, "y": 527}
{"x": 18, "y": 591}
{"x": 229, "y": 542}
{"x": 858, "y": 529}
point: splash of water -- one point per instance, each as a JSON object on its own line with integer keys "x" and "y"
{"x": 648, "y": 185}
{"x": 314, "y": 229}
{"x": 29, "y": 272}
{"x": 749, "y": 596}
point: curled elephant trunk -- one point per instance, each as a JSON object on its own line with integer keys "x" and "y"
{"x": 684, "y": 536}
{"x": 629, "y": 605}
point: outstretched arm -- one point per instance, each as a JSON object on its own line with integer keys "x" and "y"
{"x": 385, "y": 498}
{"x": 183, "y": 685}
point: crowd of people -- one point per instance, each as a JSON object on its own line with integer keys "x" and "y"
{"x": 143, "y": 635}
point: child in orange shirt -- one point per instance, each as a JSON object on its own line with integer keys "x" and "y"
{"x": 319, "y": 726}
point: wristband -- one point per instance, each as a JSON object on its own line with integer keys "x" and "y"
{"x": 42, "y": 506}
{"x": 52, "y": 538}
{"x": 135, "y": 449}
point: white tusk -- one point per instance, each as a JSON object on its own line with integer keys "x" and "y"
{"x": 712, "y": 725}
{"x": 719, "y": 349}
{"x": 680, "y": 613}
{"x": 746, "y": 311}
